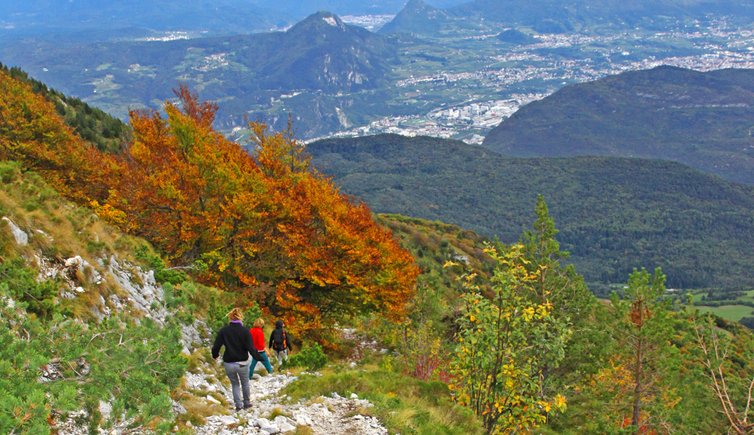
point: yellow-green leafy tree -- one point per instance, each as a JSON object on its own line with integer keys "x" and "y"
{"x": 504, "y": 334}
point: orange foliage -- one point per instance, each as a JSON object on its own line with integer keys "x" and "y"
{"x": 267, "y": 218}
{"x": 266, "y": 224}
{"x": 32, "y": 133}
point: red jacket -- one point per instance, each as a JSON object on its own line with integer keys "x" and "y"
{"x": 257, "y": 336}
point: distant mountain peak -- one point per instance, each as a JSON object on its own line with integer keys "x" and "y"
{"x": 416, "y": 17}
{"x": 322, "y": 21}
{"x": 415, "y": 4}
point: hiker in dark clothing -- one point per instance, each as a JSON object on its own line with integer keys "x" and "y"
{"x": 238, "y": 346}
{"x": 279, "y": 342}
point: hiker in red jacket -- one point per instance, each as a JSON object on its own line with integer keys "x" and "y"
{"x": 257, "y": 336}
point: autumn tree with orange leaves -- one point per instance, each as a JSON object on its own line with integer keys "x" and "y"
{"x": 253, "y": 222}
{"x": 265, "y": 225}
{"x": 32, "y": 133}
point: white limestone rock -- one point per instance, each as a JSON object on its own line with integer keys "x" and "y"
{"x": 22, "y": 239}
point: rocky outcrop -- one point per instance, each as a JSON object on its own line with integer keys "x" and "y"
{"x": 142, "y": 291}
{"x": 22, "y": 239}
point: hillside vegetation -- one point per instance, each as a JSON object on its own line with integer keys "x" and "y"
{"x": 614, "y": 214}
{"x": 703, "y": 120}
{"x": 80, "y": 309}
{"x": 91, "y": 124}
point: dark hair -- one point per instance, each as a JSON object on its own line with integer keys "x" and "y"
{"x": 279, "y": 324}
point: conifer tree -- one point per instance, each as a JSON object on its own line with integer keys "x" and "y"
{"x": 644, "y": 326}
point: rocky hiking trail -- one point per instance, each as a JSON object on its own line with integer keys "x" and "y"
{"x": 273, "y": 413}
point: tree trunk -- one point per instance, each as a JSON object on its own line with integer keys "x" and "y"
{"x": 637, "y": 385}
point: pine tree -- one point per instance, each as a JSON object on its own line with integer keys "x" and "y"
{"x": 645, "y": 354}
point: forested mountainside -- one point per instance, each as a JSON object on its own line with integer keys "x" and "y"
{"x": 417, "y": 17}
{"x": 550, "y": 16}
{"x": 614, "y": 213}
{"x": 701, "y": 119}
{"x": 92, "y": 124}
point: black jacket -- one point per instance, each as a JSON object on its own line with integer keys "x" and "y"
{"x": 237, "y": 341}
{"x": 279, "y": 335}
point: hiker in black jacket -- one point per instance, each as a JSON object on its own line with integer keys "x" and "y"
{"x": 237, "y": 341}
{"x": 279, "y": 342}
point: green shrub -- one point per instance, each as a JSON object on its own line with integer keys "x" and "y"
{"x": 90, "y": 360}
{"x": 162, "y": 273}
{"x": 311, "y": 358}
{"x": 9, "y": 171}
{"x": 251, "y": 314}
{"x": 20, "y": 283}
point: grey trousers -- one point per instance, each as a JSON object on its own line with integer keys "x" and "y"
{"x": 239, "y": 380}
{"x": 282, "y": 355}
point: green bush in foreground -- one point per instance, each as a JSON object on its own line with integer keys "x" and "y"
{"x": 311, "y": 357}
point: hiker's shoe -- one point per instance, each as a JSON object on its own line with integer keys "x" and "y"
{"x": 247, "y": 406}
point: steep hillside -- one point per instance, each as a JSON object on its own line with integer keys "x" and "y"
{"x": 703, "y": 120}
{"x": 251, "y": 223}
{"x": 92, "y": 124}
{"x": 614, "y": 214}
{"x": 79, "y": 302}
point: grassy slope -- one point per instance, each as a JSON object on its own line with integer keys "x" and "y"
{"x": 614, "y": 214}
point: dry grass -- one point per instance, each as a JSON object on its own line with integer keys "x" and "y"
{"x": 361, "y": 410}
{"x": 303, "y": 430}
{"x": 198, "y": 408}
{"x": 59, "y": 230}
{"x": 278, "y": 412}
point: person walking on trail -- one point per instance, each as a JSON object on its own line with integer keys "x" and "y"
{"x": 238, "y": 346}
{"x": 257, "y": 336}
{"x": 279, "y": 342}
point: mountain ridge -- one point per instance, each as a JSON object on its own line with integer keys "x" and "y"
{"x": 417, "y": 17}
{"x": 550, "y": 16}
{"x": 242, "y": 71}
{"x": 702, "y": 119}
